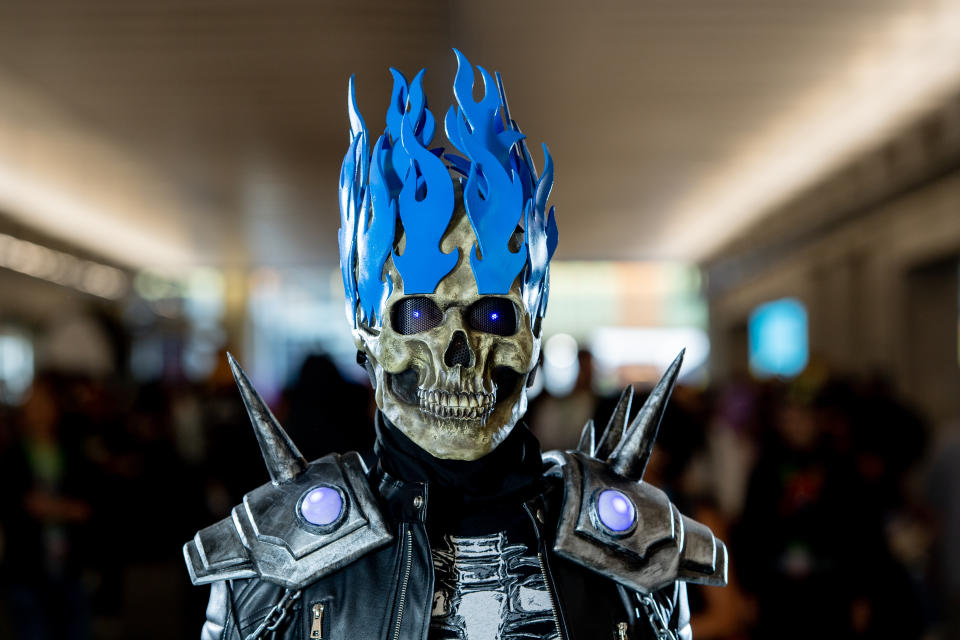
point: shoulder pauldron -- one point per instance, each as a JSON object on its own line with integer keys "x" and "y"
{"x": 660, "y": 545}
{"x": 309, "y": 521}
{"x": 268, "y": 537}
{"x": 614, "y": 523}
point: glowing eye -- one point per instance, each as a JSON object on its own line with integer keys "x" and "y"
{"x": 493, "y": 315}
{"x": 415, "y": 314}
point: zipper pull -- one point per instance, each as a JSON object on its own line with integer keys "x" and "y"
{"x": 316, "y": 627}
{"x": 622, "y": 631}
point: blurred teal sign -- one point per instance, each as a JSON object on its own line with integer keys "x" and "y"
{"x": 778, "y": 338}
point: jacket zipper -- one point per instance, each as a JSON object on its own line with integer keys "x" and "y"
{"x": 547, "y": 582}
{"x": 316, "y": 627}
{"x": 622, "y": 631}
{"x": 553, "y": 599}
{"x": 403, "y": 585}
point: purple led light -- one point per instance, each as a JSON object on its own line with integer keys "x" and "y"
{"x": 494, "y": 316}
{"x": 615, "y": 510}
{"x": 322, "y": 506}
{"x": 416, "y": 314}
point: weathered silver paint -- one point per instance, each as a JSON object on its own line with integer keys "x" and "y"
{"x": 616, "y": 425}
{"x": 630, "y": 457}
{"x": 265, "y": 537}
{"x": 663, "y": 545}
{"x": 284, "y": 461}
{"x": 586, "y": 443}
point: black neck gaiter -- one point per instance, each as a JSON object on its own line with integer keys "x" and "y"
{"x": 466, "y": 497}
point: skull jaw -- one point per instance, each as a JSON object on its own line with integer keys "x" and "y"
{"x": 452, "y": 438}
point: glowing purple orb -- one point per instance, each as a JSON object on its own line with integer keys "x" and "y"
{"x": 615, "y": 510}
{"x": 322, "y": 506}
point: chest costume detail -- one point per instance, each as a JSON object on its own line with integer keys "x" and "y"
{"x": 488, "y": 589}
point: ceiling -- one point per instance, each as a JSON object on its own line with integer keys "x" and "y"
{"x": 176, "y": 133}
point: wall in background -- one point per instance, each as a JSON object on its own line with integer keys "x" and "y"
{"x": 882, "y": 295}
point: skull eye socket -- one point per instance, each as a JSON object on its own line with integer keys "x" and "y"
{"x": 415, "y": 314}
{"x": 493, "y": 315}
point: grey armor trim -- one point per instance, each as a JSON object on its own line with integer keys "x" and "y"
{"x": 266, "y": 537}
{"x": 216, "y": 553}
{"x": 662, "y": 545}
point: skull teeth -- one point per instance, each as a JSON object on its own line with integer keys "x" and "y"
{"x": 462, "y": 405}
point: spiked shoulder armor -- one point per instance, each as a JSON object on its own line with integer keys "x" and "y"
{"x": 307, "y": 522}
{"x": 614, "y": 523}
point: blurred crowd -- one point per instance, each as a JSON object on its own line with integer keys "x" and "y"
{"x": 103, "y": 482}
{"x": 837, "y": 502}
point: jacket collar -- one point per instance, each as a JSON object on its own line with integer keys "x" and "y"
{"x": 405, "y": 501}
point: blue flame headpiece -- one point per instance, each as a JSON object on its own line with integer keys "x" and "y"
{"x": 405, "y": 178}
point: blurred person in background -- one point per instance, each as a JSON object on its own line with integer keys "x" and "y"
{"x": 326, "y": 413}
{"x": 45, "y": 512}
{"x": 814, "y": 549}
{"x": 681, "y": 465}
{"x": 943, "y": 495}
{"x": 558, "y": 420}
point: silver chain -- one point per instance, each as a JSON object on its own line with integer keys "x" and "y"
{"x": 276, "y": 615}
{"x": 655, "y": 617}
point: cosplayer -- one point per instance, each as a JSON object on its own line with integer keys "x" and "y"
{"x": 462, "y": 530}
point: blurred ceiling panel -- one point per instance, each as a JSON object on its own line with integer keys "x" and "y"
{"x": 171, "y": 133}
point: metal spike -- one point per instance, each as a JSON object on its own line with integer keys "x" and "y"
{"x": 616, "y": 424}
{"x": 630, "y": 457}
{"x": 586, "y": 444}
{"x": 284, "y": 461}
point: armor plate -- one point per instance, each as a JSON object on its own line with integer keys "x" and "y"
{"x": 266, "y": 537}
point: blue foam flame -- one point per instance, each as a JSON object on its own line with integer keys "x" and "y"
{"x": 426, "y": 207}
{"x": 353, "y": 177}
{"x": 365, "y": 238}
{"x": 502, "y": 189}
{"x": 408, "y": 180}
{"x": 421, "y": 119}
{"x": 493, "y": 193}
{"x": 374, "y": 241}
{"x": 541, "y": 238}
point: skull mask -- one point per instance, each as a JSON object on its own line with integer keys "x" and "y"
{"x": 446, "y": 281}
{"x": 451, "y": 367}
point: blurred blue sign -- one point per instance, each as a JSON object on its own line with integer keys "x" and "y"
{"x": 778, "y": 338}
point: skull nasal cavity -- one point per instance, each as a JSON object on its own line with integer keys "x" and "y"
{"x": 458, "y": 352}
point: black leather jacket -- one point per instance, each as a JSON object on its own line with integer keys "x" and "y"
{"x": 388, "y": 593}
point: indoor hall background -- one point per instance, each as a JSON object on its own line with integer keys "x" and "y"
{"x": 167, "y": 191}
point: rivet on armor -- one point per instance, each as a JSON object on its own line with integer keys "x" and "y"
{"x": 615, "y": 510}
{"x": 322, "y": 506}
{"x": 418, "y": 502}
